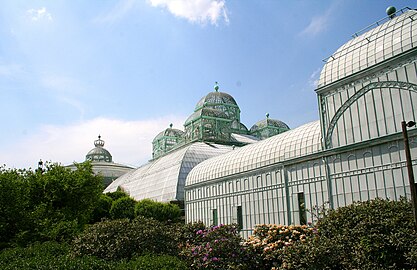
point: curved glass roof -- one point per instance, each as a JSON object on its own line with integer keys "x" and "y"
{"x": 163, "y": 179}
{"x": 387, "y": 40}
{"x": 294, "y": 143}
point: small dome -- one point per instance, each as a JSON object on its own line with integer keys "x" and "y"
{"x": 99, "y": 153}
{"x": 169, "y": 132}
{"x": 166, "y": 140}
{"x": 268, "y": 122}
{"x": 268, "y": 127}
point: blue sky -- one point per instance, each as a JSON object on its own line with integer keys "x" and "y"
{"x": 126, "y": 69}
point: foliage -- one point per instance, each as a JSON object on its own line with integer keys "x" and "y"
{"x": 122, "y": 239}
{"x": 13, "y": 204}
{"x": 152, "y": 262}
{"x": 185, "y": 234}
{"x": 217, "y": 247}
{"x": 102, "y": 209}
{"x": 269, "y": 241}
{"x": 50, "y": 204}
{"x": 123, "y": 207}
{"x": 377, "y": 234}
{"x": 117, "y": 194}
{"x": 48, "y": 255}
{"x": 157, "y": 210}
{"x": 52, "y": 255}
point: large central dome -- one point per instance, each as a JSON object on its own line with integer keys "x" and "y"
{"x": 216, "y": 98}
{"x": 215, "y": 117}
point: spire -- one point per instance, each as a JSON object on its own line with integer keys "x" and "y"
{"x": 99, "y": 142}
{"x": 267, "y": 115}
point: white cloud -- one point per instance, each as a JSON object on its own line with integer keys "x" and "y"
{"x": 315, "y": 77}
{"x": 317, "y": 25}
{"x": 39, "y": 14}
{"x": 129, "y": 142}
{"x": 198, "y": 11}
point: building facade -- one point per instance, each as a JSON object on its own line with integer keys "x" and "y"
{"x": 353, "y": 153}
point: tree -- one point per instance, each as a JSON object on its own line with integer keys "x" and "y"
{"x": 13, "y": 204}
{"x": 50, "y": 204}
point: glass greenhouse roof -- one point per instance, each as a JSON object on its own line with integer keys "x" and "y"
{"x": 383, "y": 42}
{"x": 163, "y": 179}
{"x": 294, "y": 143}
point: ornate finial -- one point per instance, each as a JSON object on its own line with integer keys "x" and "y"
{"x": 391, "y": 11}
{"x": 267, "y": 115}
{"x": 216, "y": 86}
{"x": 99, "y": 142}
{"x": 170, "y": 125}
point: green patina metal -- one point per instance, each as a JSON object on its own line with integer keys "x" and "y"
{"x": 268, "y": 127}
{"x": 215, "y": 118}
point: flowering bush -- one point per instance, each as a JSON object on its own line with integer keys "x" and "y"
{"x": 217, "y": 247}
{"x": 269, "y": 241}
{"x": 375, "y": 234}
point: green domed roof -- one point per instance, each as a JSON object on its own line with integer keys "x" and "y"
{"x": 268, "y": 127}
{"x": 99, "y": 153}
{"x": 216, "y": 98}
{"x": 268, "y": 122}
{"x": 169, "y": 132}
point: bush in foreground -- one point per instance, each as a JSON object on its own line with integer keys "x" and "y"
{"x": 268, "y": 242}
{"x": 52, "y": 255}
{"x": 217, "y": 247}
{"x": 377, "y": 234}
{"x": 157, "y": 210}
{"x": 123, "y": 239}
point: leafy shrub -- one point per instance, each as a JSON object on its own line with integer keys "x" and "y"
{"x": 102, "y": 209}
{"x": 52, "y": 255}
{"x": 122, "y": 239}
{"x": 48, "y": 255}
{"x": 152, "y": 262}
{"x": 217, "y": 247}
{"x": 377, "y": 234}
{"x": 123, "y": 207}
{"x": 117, "y": 194}
{"x": 185, "y": 234}
{"x": 269, "y": 241}
{"x": 157, "y": 210}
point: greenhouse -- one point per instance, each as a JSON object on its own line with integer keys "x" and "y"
{"x": 353, "y": 153}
